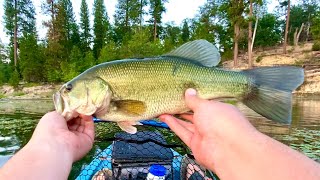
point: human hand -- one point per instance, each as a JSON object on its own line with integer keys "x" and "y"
{"x": 73, "y": 138}
{"x": 212, "y": 124}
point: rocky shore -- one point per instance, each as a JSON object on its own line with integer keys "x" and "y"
{"x": 44, "y": 91}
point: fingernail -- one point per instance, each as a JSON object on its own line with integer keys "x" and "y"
{"x": 191, "y": 92}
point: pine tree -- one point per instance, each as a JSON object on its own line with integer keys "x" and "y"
{"x": 156, "y": 10}
{"x": 85, "y": 26}
{"x": 19, "y": 22}
{"x": 9, "y": 18}
{"x": 128, "y": 16}
{"x": 49, "y": 8}
{"x": 71, "y": 28}
{"x": 185, "y": 36}
{"x": 32, "y": 59}
{"x": 100, "y": 27}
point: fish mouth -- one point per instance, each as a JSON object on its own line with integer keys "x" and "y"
{"x": 58, "y": 102}
{"x": 62, "y": 107}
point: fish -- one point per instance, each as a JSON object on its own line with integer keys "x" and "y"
{"x": 127, "y": 91}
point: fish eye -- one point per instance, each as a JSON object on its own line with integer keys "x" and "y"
{"x": 69, "y": 87}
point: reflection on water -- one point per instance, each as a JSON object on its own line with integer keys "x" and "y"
{"x": 18, "y": 119}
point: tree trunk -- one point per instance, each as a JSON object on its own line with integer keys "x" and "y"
{"x": 155, "y": 29}
{"x": 297, "y": 35}
{"x": 52, "y": 17}
{"x": 235, "y": 48}
{"x": 308, "y": 31}
{"x": 254, "y": 32}
{"x": 250, "y": 62}
{"x": 127, "y": 16}
{"x": 140, "y": 23}
{"x": 286, "y": 31}
{"x": 15, "y": 38}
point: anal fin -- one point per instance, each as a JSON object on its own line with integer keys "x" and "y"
{"x": 128, "y": 126}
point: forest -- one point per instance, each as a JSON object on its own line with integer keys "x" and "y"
{"x": 70, "y": 47}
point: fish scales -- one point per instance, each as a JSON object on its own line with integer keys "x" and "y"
{"x": 146, "y": 80}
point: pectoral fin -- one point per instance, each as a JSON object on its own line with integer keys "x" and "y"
{"x": 131, "y": 107}
{"x": 128, "y": 126}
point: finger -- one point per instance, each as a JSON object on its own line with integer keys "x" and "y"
{"x": 188, "y": 117}
{"x": 74, "y": 124}
{"x": 88, "y": 127}
{"x": 186, "y": 125}
{"x": 192, "y": 100}
{"x": 53, "y": 120}
{"x": 85, "y": 117}
{"x": 184, "y": 134}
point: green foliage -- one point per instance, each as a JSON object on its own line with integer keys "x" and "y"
{"x": 268, "y": 31}
{"x": 109, "y": 52}
{"x": 9, "y": 13}
{"x": 85, "y": 26}
{"x": 88, "y": 62}
{"x": 259, "y": 59}
{"x": 4, "y": 74}
{"x": 18, "y": 93}
{"x": 227, "y": 55}
{"x": 128, "y": 16}
{"x": 156, "y": 10}
{"x": 72, "y": 67}
{"x": 100, "y": 27}
{"x": 54, "y": 54}
{"x": 185, "y": 36}
{"x": 32, "y": 59}
{"x": 315, "y": 28}
{"x": 2, "y": 96}
{"x": 25, "y": 11}
{"x": 71, "y": 26}
{"x": 302, "y": 13}
{"x": 316, "y": 46}
{"x": 140, "y": 46}
{"x": 172, "y": 37}
{"x": 14, "y": 79}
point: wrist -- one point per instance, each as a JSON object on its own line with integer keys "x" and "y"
{"x": 50, "y": 149}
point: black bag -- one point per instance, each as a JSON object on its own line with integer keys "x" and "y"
{"x": 133, "y": 154}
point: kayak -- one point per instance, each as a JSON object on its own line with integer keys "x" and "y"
{"x": 131, "y": 156}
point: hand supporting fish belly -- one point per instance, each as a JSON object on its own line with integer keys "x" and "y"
{"x": 127, "y": 91}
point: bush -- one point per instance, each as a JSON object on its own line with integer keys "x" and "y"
{"x": 14, "y": 80}
{"x": 2, "y": 96}
{"x": 259, "y": 58}
{"x": 316, "y": 46}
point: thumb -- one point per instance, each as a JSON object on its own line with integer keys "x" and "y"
{"x": 192, "y": 100}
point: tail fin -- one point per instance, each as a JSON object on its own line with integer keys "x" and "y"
{"x": 271, "y": 91}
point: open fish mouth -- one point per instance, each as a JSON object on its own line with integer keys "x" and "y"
{"x": 58, "y": 102}
{"x": 62, "y": 107}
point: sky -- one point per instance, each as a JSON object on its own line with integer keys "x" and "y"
{"x": 177, "y": 11}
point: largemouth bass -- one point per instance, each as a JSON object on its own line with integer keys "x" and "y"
{"x": 127, "y": 91}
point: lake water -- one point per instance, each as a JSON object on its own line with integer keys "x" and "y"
{"x": 18, "y": 119}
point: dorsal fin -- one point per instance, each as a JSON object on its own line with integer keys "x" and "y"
{"x": 201, "y": 51}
